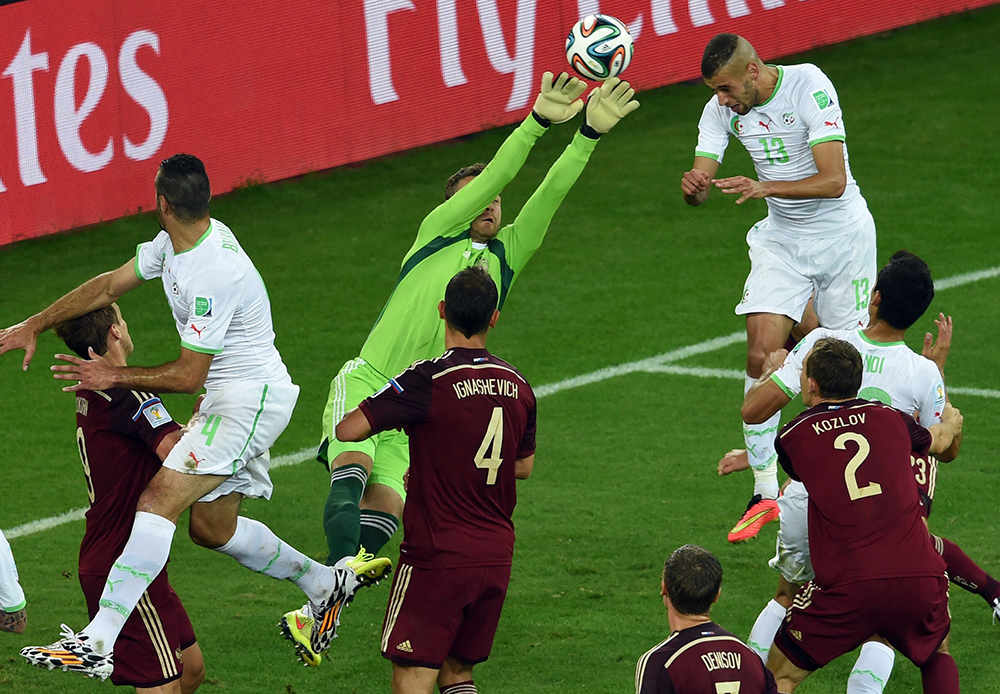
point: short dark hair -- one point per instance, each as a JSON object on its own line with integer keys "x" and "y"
{"x": 89, "y": 330}
{"x": 451, "y": 186}
{"x": 835, "y": 365}
{"x": 692, "y": 576}
{"x": 907, "y": 290}
{"x": 470, "y": 300}
{"x": 184, "y": 183}
{"x": 719, "y": 51}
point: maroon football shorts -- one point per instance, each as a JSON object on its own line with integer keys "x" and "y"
{"x": 824, "y": 623}
{"x": 436, "y": 613}
{"x": 148, "y": 651}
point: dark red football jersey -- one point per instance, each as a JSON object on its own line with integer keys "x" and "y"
{"x": 469, "y": 416}
{"x": 117, "y": 432}
{"x": 703, "y": 659}
{"x": 865, "y": 517}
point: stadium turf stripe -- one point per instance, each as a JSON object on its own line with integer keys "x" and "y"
{"x": 661, "y": 363}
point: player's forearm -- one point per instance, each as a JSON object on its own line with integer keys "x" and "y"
{"x": 764, "y": 398}
{"x": 89, "y": 296}
{"x": 173, "y": 377}
{"x": 820, "y": 185}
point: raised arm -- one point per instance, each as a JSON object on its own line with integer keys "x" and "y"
{"x": 186, "y": 374}
{"x": 93, "y": 294}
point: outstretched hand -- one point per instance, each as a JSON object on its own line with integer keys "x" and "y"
{"x": 93, "y": 374}
{"x": 746, "y": 188}
{"x": 609, "y": 103}
{"x": 938, "y": 352}
{"x": 559, "y": 100}
{"x": 20, "y": 336}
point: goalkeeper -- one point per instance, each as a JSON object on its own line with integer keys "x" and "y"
{"x": 366, "y": 482}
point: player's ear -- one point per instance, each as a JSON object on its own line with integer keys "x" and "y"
{"x": 876, "y": 298}
{"x": 441, "y": 309}
{"x": 494, "y": 318}
{"x": 717, "y": 596}
{"x": 115, "y": 331}
{"x": 663, "y": 587}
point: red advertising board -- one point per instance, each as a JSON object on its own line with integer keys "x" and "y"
{"x": 94, "y": 94}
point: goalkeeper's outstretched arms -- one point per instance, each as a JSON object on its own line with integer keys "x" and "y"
{"x": 605, "y": 108}
{"x": 558, "y": 101}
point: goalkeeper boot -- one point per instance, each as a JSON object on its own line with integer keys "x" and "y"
{"x": 759, "y": 513}
{"x": 296, "y": 626}
{"x": 369, "y": 569}
{"x": 72, "y": 653}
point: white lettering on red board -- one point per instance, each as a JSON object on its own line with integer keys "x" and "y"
{"x": 70, "y": 112}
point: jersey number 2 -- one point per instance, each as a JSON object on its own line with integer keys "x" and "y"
{"x": 492, "y": 442}
{"x": 851, "y": 471}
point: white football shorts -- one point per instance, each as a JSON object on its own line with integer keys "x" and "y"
{"x": 231, "y": 435}
{"x": 786, "y": 269}
{"x": 792, "y": 559}
{"x": 11, "y": 595}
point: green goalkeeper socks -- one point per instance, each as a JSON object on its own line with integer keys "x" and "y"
{"x": 342, "y": 513}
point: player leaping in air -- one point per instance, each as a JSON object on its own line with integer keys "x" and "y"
{"x": 818, "y": 238}
{"x": 366, "y": 488}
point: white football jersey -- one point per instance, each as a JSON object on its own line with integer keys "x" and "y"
{"x": 802, "y": 111}
{"x": 893, "y": 374}
{"x": 219, "y": 303}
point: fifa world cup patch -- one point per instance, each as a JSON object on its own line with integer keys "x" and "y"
{"x": 822, "y": 99}
{"x": 154, "y": 412}
{"x": 203, "y": 306}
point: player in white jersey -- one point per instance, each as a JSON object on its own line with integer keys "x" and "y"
{"x": 13, "y": 615}
{"x": 897, "y": 376}
{"x": 223, "y": 317}
{"x": 818, "y": 239}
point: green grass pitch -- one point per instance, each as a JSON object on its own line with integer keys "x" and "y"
{"x": 626, "y": 466}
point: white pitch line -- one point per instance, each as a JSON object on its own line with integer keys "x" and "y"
{"x": 661, "y": 363}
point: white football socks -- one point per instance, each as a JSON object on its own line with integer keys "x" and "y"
{"x": 763, "y": 631}
{"x": 872, "y": 669}
{"x": 141, "y": 561}
{"x": 759, "y": 441}
{"x": 256, "y": 547}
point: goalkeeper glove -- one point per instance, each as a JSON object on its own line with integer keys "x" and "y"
{"x": 559, "y": 101}
{"x": 608, "y": 104}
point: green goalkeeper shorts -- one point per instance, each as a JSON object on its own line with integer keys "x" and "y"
{"x": 389, "y": 450}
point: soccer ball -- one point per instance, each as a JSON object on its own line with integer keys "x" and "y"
{"x": 599, "y": 47}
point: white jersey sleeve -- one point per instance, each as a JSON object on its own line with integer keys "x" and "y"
{"x": 11, "y": 595}
{"x": 149, "y": 257}
{"x": 214, "y": 298}
{"x": 819, "y": 107}
{"x": 713, "y": 137}
{"x": 933, "y": 400}
{"x": 788, "y": 376}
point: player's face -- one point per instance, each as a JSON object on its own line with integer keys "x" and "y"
{"x": 736, "y": 92}
{"x": 487, "y": 225}
{"x": 127, "y": 345}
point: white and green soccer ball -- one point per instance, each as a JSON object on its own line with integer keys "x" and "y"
{"x": 599, "y": 47}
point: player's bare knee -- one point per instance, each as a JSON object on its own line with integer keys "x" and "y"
{"x": 352, "y": 458}
{"x": 381, "y": 497}
{"x": 454, "y": 671}
{"x": 194, "y": 670}
{"x": 212, "y": 525}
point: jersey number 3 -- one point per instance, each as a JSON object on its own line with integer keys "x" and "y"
{"x": 492, "y": 442}
{"x": 851, "y": 471}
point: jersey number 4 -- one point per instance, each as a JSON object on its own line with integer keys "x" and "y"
{"x": 492, "y": 443}
{"x": 851, "y": 471}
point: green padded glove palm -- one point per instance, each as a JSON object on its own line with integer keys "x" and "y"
{"x": 609, "y": 103}
{"x": 560, "y": 100}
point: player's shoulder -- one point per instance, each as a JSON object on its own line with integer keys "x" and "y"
{"x": 802, "y": 74}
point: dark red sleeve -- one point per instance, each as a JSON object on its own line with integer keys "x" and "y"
{"x": 920, "y": 438}
{"x": 406, "y": 399}
{"x": 786, "y": 462}
{"x": 148, "y": 421}
{"x": 527, "y": 446}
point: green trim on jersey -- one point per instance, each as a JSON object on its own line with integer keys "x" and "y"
{"x": 828, "y": 138}
{"x": 707, "y": 155}
{"x": 777, "y": 86}
{"x": 202, "y": 350}
{"x": 253, "y": 429}
{"x": 784, "y": 389}
{"x": 877, "y": 343}
{"x": 135, "y": 263}
{"x": 16, "y": 608}
{"x": 211, "y": 225}
{"x": 506, "y": 271}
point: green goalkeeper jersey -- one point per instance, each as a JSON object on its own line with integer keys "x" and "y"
{"x": 409, "y": 327}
